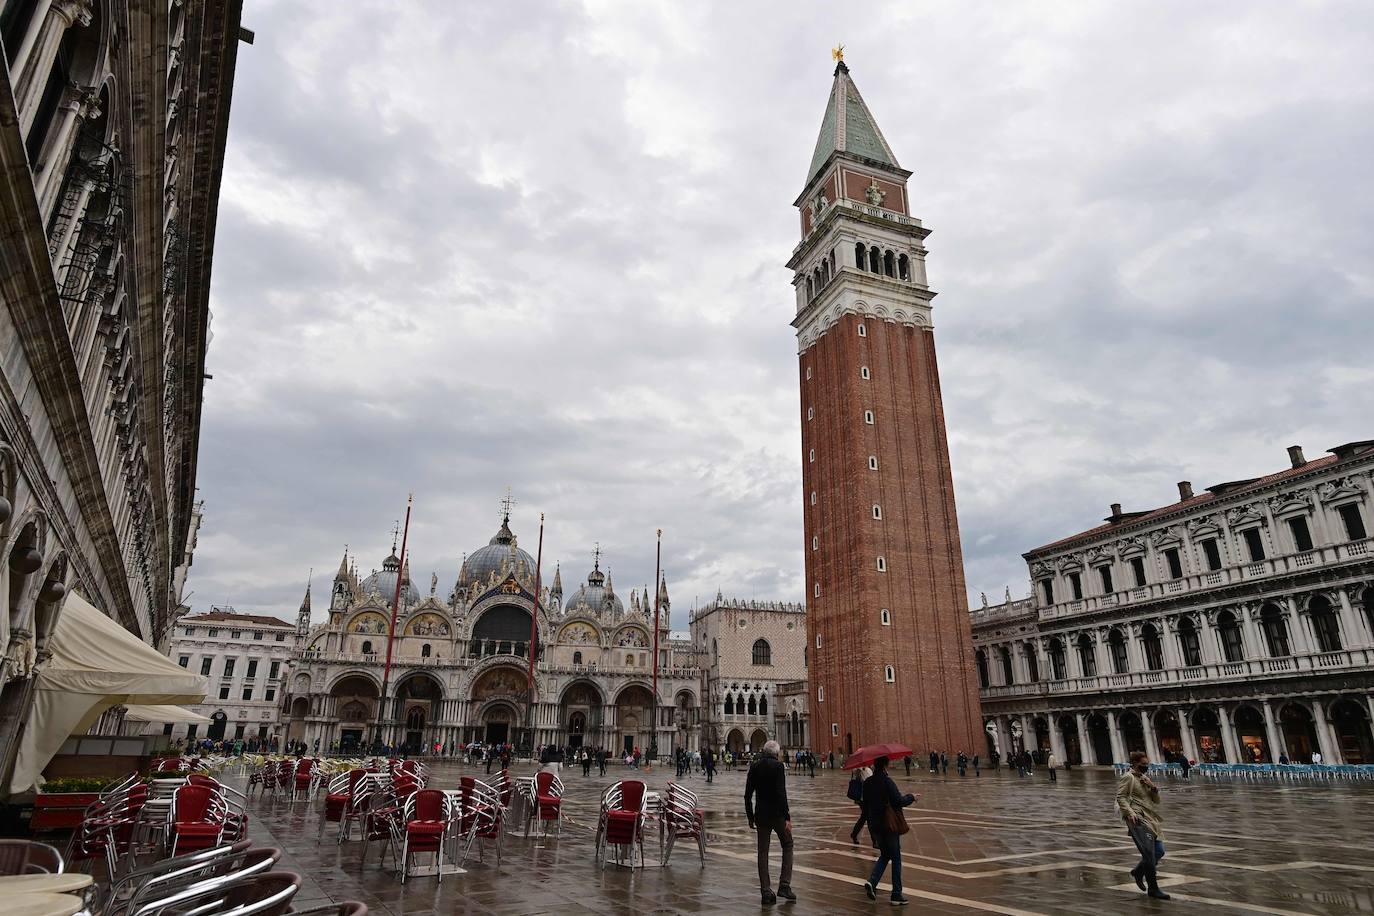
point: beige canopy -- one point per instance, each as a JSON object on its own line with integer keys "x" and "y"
{"x": 162, "y": 714}
{"x": 95, "y": 664}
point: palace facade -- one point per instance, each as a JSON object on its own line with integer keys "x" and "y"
{"x": 113, "y": 120}
{"x": 1235, "y": 625}
{"x": 460, "y": 663}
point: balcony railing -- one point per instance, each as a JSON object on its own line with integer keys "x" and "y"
{"x": 1208, "y": 579}
{"x": 1219, "y": 671}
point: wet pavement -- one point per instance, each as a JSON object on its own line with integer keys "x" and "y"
{"x": 997, "y": 843}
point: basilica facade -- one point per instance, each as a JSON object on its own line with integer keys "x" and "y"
{"x": 460, "y": 662}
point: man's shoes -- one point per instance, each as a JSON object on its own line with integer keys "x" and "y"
{"x": 854, "y": 838}
{"x": 899, "y": 900}
{"x": 870, "y": 891}
{"x": 1154, "y": 890}
{"x": 770, "y": 898}
{"x": 1139, "y": 878}
{"x": 785, "y": 892}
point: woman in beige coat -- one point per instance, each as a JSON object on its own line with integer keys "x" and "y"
{"x": 1137, "y": 799}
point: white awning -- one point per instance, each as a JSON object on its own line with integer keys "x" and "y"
{"x": 95, "y": 664}
{"x": 162, "y": 714}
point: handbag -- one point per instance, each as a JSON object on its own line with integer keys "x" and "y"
{"x": 856, "y": 789}
{"x": 894, "y": 822}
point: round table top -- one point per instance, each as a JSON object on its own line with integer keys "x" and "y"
{"x": 43, "y": 905}
{"x": 44, "y": 884}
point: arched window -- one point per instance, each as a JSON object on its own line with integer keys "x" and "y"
{"x": 1121, "y": 663}
{"x": 860, "y": 256}
{"x": 1275, "y": 633}
{"x": 982, "y": 658}
{"x": 14, "y": 24}
{"x": 1189, "y": 643}
{"x": 367, "y": 647}
{"x": 810, "y": 290}
{"x": 426, "y": 651}
{"x": 763, "y": 705}
{"x": 763, "y": 653}
{"x": 825, "y": 271}
{"x": 889, "y": 264}
{"x": 1086, "y": 658}
{"x": 1004, "y": 655}
{"x": 1154, "y": 648}
{"x": 875, "y": 260}
{"x": 1325, "y": 626}
{"x": 715, "y": 651}
{"x": 890, "y": 674}
{"x": 753, "y": 706}
{"x": 729, "y": 705}
{"x": 1232, "y": 648}
{"x": 1057, "y": 667}
{"x": 903, "y": 267}
{"x": 1032, "y": 664}
{"x": 577, "y": 658}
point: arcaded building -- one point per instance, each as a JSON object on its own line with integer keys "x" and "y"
{"x": 891, "y": 655}
{"x": 460, "y": 661}
{"x": 1234, "y": 624}
{"x": 113, "y": 119}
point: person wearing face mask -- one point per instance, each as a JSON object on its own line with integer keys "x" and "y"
{"x": 1137, "y": 799}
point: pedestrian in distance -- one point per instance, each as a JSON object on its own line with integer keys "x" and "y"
{"x": 906, "y": 761}
{"x": 976, "y": 770}
{"x": 1137, "y": 800}
{"x": 961, "y": 761}
{"x": 934, "y": 762}
{"x": 1053, "y": 763}
{"x": 708, "y": 763}
{"x": 944, "y": 764}
{"x": 883, "y": 804}
{"x": 855, "y": 793}
{"x": 767, "y": 782}
{"x": 1185, "y": 765}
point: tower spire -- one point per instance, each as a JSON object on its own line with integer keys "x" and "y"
{"x": 848, "y": 127}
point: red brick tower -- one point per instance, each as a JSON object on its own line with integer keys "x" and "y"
{"x": 891, "y": 655}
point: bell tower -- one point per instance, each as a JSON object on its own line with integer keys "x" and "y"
{"x": 891, "y": 653}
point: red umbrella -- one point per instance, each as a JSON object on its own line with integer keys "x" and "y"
{"x": 871, "y": 752}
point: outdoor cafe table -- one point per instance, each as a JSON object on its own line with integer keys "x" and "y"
{"x": 43, "y": 905}
{"x": 43, "y": 884}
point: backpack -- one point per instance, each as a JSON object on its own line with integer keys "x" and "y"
{"x": 856, "y": 788}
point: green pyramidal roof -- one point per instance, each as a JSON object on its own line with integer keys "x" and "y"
{"x": 848, "y": 127}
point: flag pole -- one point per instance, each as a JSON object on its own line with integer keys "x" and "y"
{"x": 534, "y": 635}
{"x": 391, "y": 631}
{"x": 658, "y": 563}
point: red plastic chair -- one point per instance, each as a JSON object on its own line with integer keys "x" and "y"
{"x": 548, "y": 802}
{"x": 339, "y": 800}
{"x": 427, "y": 818}
{"x": 625, "y": 822}
{"x": 196, "y": 820}
{"x": 482, "y": 818}
{"x": 383, "y": 819}
{"x": 305, "y": 778}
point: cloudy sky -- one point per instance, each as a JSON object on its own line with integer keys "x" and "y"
{"x": 465, "y": 246}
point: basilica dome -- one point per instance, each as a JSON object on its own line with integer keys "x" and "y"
{"x": 384, "y": 582}
{"x": 500, "y": 556}
{"x": 596, "y": 596}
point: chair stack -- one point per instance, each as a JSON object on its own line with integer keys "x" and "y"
{"x": 428, "y": 817}
{"x": 683, "y": 818}
{"x": 621, "y": 824}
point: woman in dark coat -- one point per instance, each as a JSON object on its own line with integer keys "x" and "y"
{"x": 880, "y": 794}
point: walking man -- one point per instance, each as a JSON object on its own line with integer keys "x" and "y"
{"x": 708, "y": 763}
{"x": 1137, "y": 799}
{"x": 767, "y": 780}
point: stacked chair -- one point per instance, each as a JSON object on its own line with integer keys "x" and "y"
{"x": 621, "y": 823}
{"x": 544, "y": 803}
{"x": 481, "y": 817}
{"x": 343, "y": 799}
{"x": 428, "y": 816}
{"x": 682, "y": 818}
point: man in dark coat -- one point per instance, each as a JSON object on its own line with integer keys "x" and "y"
{"x": 881, "y": 793}
{"x": 767, "y": 780}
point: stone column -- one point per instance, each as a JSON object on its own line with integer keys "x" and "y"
{"x": 1326, "y": 735}
{"x": 1085, "y": 745}
{"x": 1028, "y": 739}
{"x": 1254, "y": 645}
{"x": 1104, "y": 665}
{"x": 1114, "y": 731}
{"x": 1075, "y": 663}
{"x": 1057, "y": 737}
{"x": 1185, "y": 732}
{"x": 1228, "y": 735}
{"x": 1210, "y": 637}
{"x": 37, "y": 55}
{"x": 1004, "y": 744}
{"x": 1168, "y": 641}
{"x": 1135, "y": 655}
{"x": 1273, "y": 733}
{"x": 1352, "y": 632}
{"x": 1147, "y": 725}
{"x": 1297, "y": 628}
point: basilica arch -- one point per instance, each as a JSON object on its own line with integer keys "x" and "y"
{"x": 499, "y": 697}
{"x": 580, "y": 712}
{"x": 353, "y": 704}
{"x": 634, "y": 718}
{"x": 417, "y": 706}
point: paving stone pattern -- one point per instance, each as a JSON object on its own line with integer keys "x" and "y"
{"x": 995, "y": 844}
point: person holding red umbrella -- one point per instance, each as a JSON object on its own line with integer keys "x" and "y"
{"x": 883, "y": 804}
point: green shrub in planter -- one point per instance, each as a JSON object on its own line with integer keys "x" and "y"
{"x": 77, "y": 784}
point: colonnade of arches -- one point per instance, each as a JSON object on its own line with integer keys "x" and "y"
{"x": 884, "y": 262}
{"x": 1267, "y": 730}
